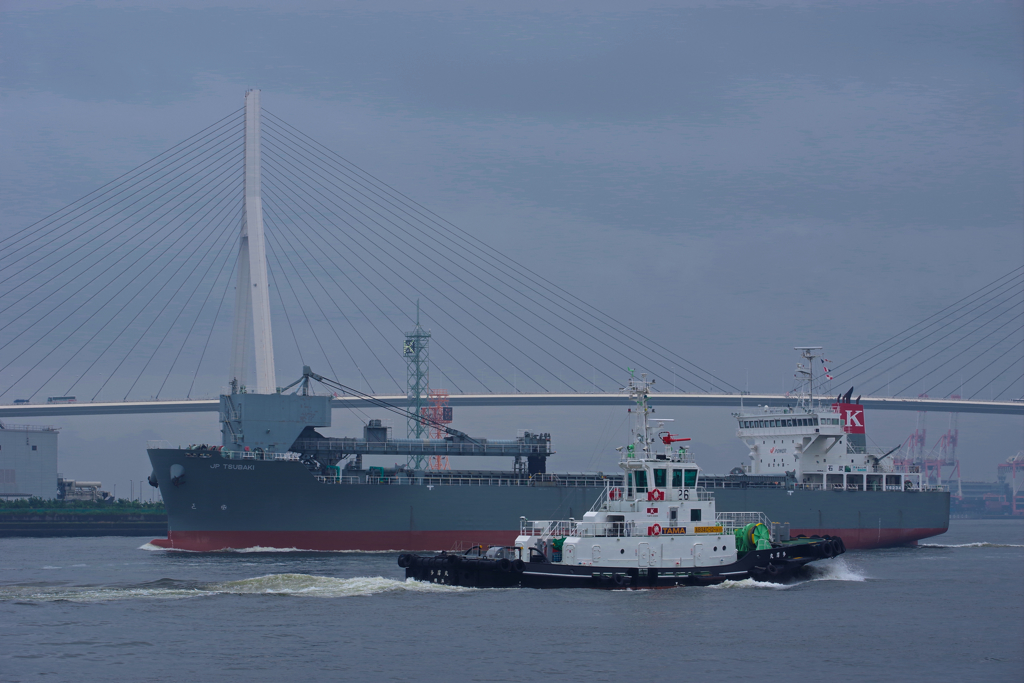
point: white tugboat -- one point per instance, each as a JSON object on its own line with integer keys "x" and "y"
{"x": 659, "y": 529}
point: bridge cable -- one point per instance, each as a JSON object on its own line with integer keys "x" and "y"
{"x": 267, "y": 219}
{"x": 295, "y": 242}
{"x": 948, "y": 346}
{"x": 28, "y": 230}
{"x": 270, "y": 177}
{"x": 1008, "y": 387}
{"x": 438, "y": 291}
{"x": 107, "y": 270}
{"x": 632, "y": 348}
{"x": 955, "y": 305}
{"x": 227, "y": 243}
{"x": 85, "y": 256}
{"x": 972, "y": 360}
{"x": 502, "y": 258}
{"x": 348, "y": 193}
{"x": 284, "y": 308}
{"x": 147, "y": 191}
{"x": 175, "y": 274}
{"x": 213, "y": 325}
{"x": 328, "y": 271}
{"x": 272, "y": 196}
{"x": 985, "y": 306}
{"x": 388, "y": 344}
{"x": 455, "y": 275}
{"x": 167, "y": 261}
{"x": 281, "y": 250}
{"x": 1011, "y": 348}
{"x": 206, "y": 299}
{"x": 73, "y": 332}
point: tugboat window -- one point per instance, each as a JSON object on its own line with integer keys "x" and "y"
{"x": 695, "y": 515}
{"x": 659, "y": 479}
{"x": 641, "y": 481}
{"x": 677, "y": 479}
{"x": 691, "y": 478}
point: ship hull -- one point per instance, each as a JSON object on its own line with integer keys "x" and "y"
{"x": 223, "y": 504}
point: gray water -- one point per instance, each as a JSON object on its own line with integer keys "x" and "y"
{"x": 107, "y": 609}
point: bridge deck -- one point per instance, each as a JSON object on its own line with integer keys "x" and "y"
{"x": 502, "y": 400}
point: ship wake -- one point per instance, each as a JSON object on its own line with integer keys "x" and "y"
{"x": 982, "y": 544}
{"x": 826, "y": 570}
{"x": 301, "y": 585}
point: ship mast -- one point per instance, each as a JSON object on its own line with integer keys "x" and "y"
{"x": 808, "y": 354}
{"x": 638, "y": 392}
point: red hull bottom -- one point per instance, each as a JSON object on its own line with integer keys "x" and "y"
{"x": 206, "y": 541}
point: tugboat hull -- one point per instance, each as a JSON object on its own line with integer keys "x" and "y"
{"x": 776, "y": 565}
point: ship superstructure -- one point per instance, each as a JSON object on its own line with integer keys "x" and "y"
{"x": 819, "y": 446}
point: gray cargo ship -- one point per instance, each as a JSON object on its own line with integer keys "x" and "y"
{"x": 276, "y": 482}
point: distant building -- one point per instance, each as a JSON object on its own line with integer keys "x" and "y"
{"x": 70, "y": 489}
{"x": 28, "y": 461}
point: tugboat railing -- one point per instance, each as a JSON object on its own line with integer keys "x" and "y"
{"x": 558, "y": 528}
{"x": 730, "y": 521}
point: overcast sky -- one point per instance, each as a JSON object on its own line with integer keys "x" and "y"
{"x": 782, "y": 173}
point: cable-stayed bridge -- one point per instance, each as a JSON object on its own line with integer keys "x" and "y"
{"x": 158, "y": 289}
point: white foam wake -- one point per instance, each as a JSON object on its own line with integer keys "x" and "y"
{"x": 837, "y": 569}
{"x": 327, "y": 587}
{"x": 825, "y": 570}
{"x": 272, "y": 584}
{"x": 970, "y": 545}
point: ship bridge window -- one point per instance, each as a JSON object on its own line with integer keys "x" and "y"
{"x": 659, "y": 479}
{"x": 695, "y": 514}
{"x": 641, "y": 481}
{"x": 677, "y": 479}
{"x": 691, "y": 478}
{"x": 629, "y": 484}
{"x": 815, "y": 422}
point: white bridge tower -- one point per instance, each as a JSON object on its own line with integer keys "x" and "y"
{"x": 252, "y": 296}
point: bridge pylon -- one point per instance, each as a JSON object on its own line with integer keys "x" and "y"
{"x": 252, "y": 294}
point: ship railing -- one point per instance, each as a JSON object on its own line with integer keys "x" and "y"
{"x": 561, "y": 528}
{"x": 570, "y": 481}
{"x": 730, "y": 521}
{"x": 870, "y": 487}
{"x": 337, "y": 480}
{"x": 258, "y": 455}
